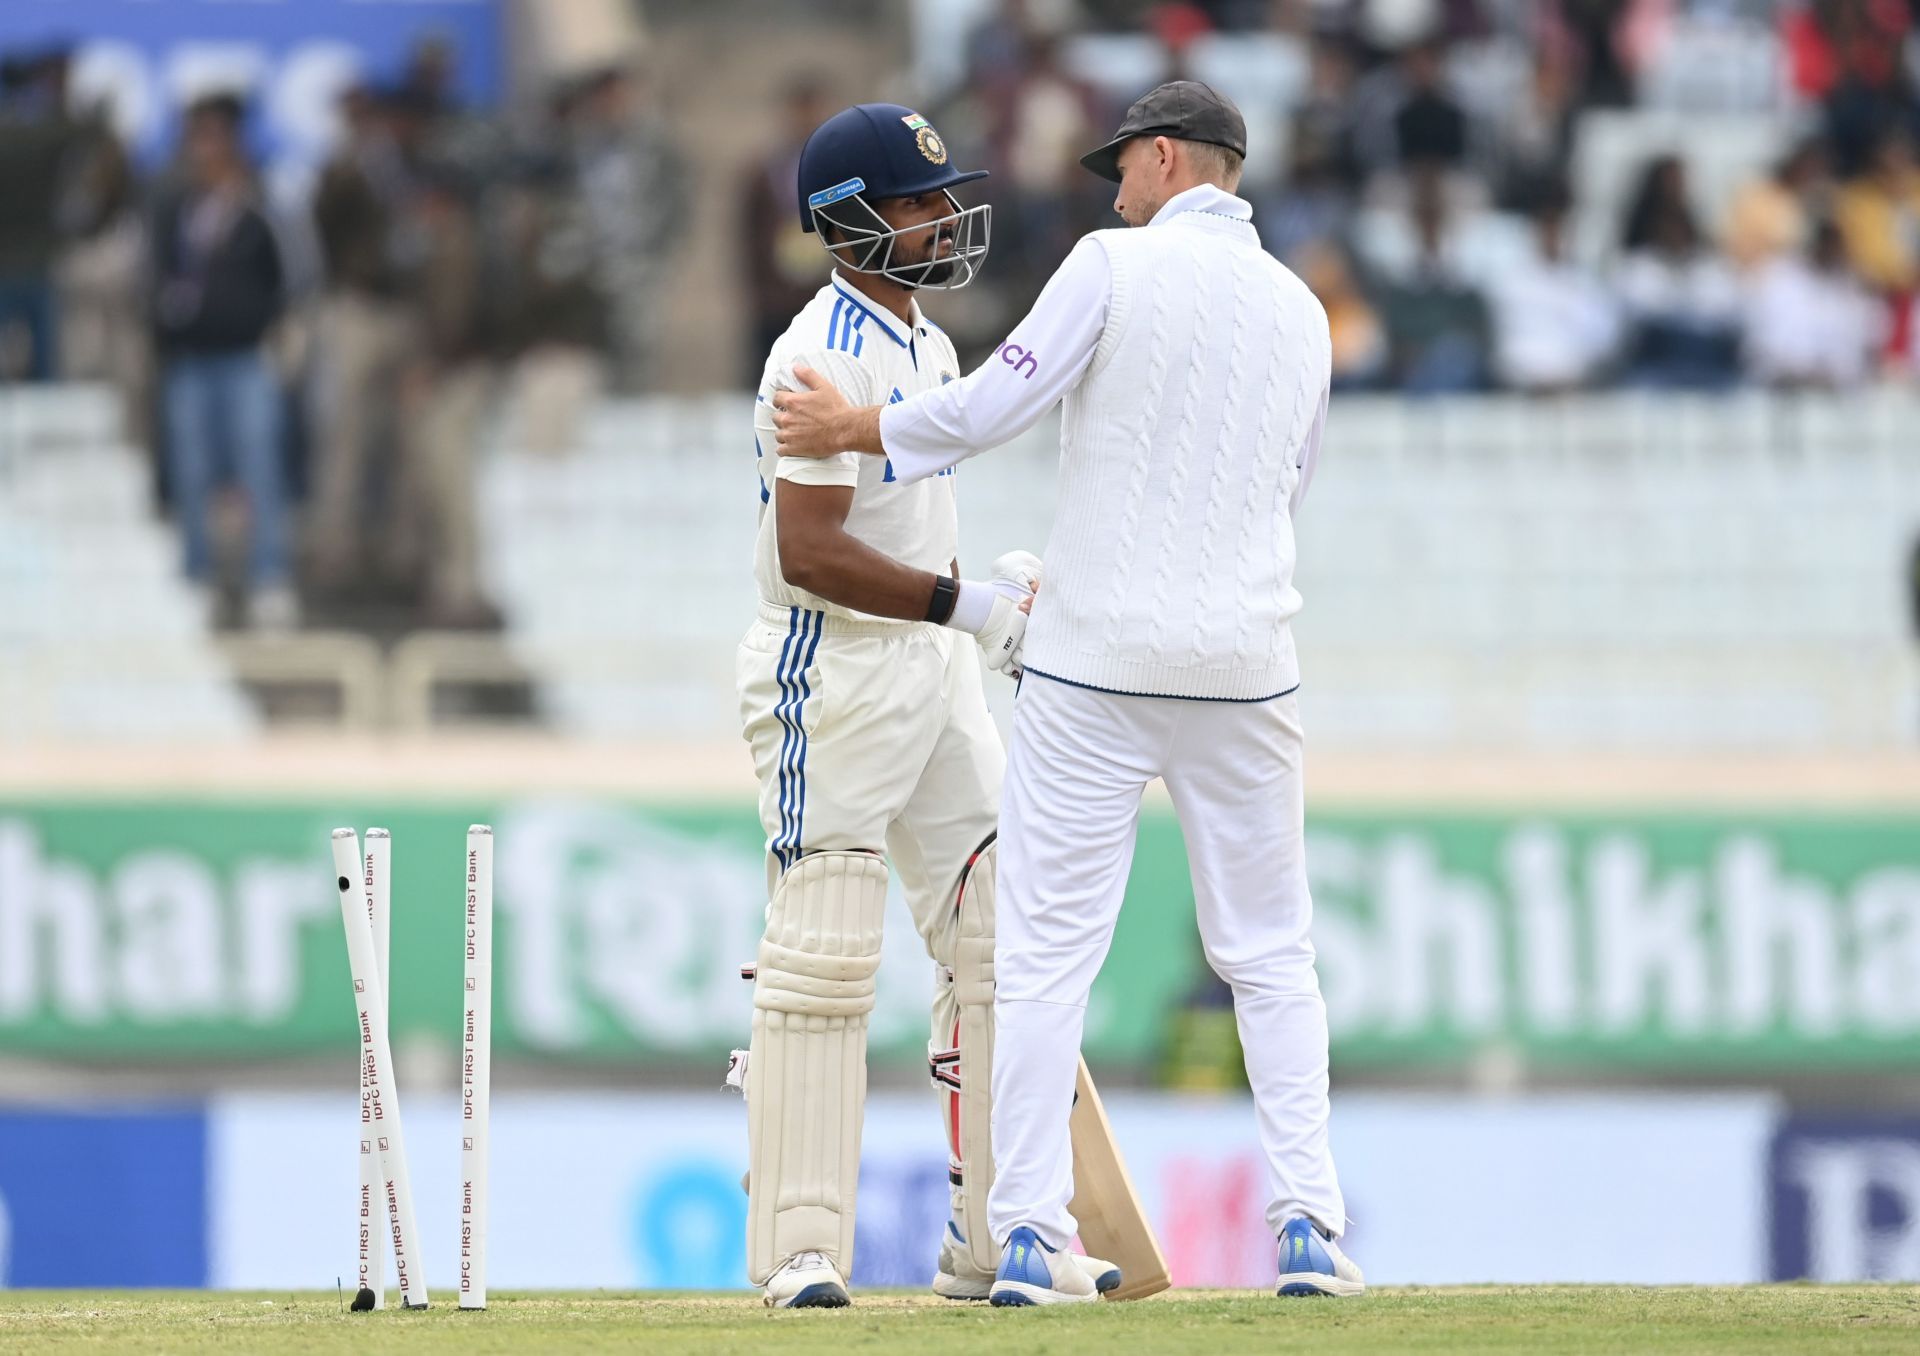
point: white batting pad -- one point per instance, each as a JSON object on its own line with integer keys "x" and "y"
{"x": 964, "y": 1073}
{"x": 807, "y": 1066}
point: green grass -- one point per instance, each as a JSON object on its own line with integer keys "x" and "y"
{"x": 1551, "y": 1319}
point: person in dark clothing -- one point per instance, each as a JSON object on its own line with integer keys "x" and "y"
{"x": 361, "y": 208}
{"x": 36, "y": 140}
{"x": 782, "y": 261}
{"x": 1661, "y": 194}
{"x": 218, "y": 289}
{"x": 445, "y": 389}
{"x": 1430, "y": 127}
{"x": 1438, "y": 329}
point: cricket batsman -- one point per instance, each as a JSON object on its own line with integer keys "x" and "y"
{"x": 861, "y": 696}
{"x": 1194, "y": 371}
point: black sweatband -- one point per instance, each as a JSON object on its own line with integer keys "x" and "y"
{"x": 946, "y": 593}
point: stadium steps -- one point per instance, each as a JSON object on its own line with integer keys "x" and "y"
{"x": 99, "y": 635}
{"x": 1607, "y": 572}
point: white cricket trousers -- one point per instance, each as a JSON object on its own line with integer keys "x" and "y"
{"x": 1077, "y": 766}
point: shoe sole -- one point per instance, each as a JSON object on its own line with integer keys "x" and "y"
{"x": 1316, "y": 1286}
{"x": 953, "y": 1288}
{"x": 820, "y": 1295}
{"x": 1021, "y": 1294}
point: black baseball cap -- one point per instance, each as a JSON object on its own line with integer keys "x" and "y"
{"x": 1184, "y": 109}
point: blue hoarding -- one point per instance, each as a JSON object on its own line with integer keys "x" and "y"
{"x": 292, "y": 56}
{"x": 1844, "y": 1199}
{"x": 103, "y": 1198}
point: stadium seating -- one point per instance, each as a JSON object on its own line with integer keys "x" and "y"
{"x": 99, "y": 635}
{"x": 1600, "y": 572}
{"x": 1721, "y": 151}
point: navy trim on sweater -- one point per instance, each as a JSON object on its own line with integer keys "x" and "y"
{"x": 1029, "y": 670}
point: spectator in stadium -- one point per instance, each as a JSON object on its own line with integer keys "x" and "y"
{"x": 782, "y": 262}
{"x": 431, "y": 76}
{"x": 1315, "y": 200}
{"x": 1878, "y": 212}
{"x": 1534, "y": 132}
{"x": 1044, "y": 120}
{"x": 1593, "y": 27}
{"x": 631, "y": 181}
{"x": 1321, "y": 133}
{"x": 1359, "y": 340}
{"x": 1430, "y": 127}
{"x": 101, "y": 272}
{"x": 1404, "y": 118}
{"x": 35, "y": 138}
{"x": 1846, "y": 54}
{"x": 1809, "y": 323}
{"x": 552, "y": 314}
{"x": 1436, "y": 319}
{"x": 447, "y": 379}
{"x": 217, "y": 291}
{"x": 998, "y": 42}
{"x": 1556, "y": 326}
{"x": 1682, "y": 298}
{"x": 361, "y": 209}
{"x": 1662, "y": 191}
{"x": 1771, "y": 216}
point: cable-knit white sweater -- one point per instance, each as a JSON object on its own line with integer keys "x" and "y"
{"x": 1193, "y": 367}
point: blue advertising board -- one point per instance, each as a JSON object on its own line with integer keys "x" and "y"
{"x": 293, "y": 57}
{"x": 112, "y": 1197}
{"x": 1844, "y": 1199}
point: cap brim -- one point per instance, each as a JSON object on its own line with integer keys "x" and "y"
{"x": 948, "y": 179}
{"x": 1105, "y": 161}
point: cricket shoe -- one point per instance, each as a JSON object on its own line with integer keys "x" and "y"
{"x": 1033, "y": 1273}
{"x": 1312, "y": 1264}
{"x": 959, "y": 1279}
{"x": 806, "y": 1280}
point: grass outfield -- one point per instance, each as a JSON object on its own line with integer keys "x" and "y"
{"x": 1610, "y": 1319}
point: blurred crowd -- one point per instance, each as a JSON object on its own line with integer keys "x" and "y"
{"x": 316, "y": 369}
{"x": 1425, "y": 186}
{"x": 317, "y": 365}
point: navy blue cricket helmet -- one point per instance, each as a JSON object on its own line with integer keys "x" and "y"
{"x": 870, "y": 152}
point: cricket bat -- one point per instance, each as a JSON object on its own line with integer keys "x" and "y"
{"x": 1112, "y": 1223}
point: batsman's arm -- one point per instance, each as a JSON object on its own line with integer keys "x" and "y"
{"x": 818, "y": 554}
{"x": 1024, "y": 378}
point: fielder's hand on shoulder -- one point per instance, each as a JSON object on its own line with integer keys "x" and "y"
{"x": 812, "y": 418}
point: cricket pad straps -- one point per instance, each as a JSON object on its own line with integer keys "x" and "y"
{"x": 807, "y": 1071}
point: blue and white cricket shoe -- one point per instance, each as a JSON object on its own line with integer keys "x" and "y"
{"x": 1033, "y": 1273}
{"x": 958, "y": 1278}
{"x": 1312, "y": 1264}
{"x": 806, "y": 1280}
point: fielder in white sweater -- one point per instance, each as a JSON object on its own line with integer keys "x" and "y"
{"x": 1193, "y": 368}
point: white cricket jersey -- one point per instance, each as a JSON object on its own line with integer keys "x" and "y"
{"x": 875, "y": 359}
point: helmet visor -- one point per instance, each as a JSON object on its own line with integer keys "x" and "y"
{"x": 937, "y": 255}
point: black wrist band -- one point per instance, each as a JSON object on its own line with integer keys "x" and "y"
{"x": 945, "y": 594}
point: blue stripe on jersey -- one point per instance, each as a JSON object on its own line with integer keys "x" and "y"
{"x": 851, "y": 300}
